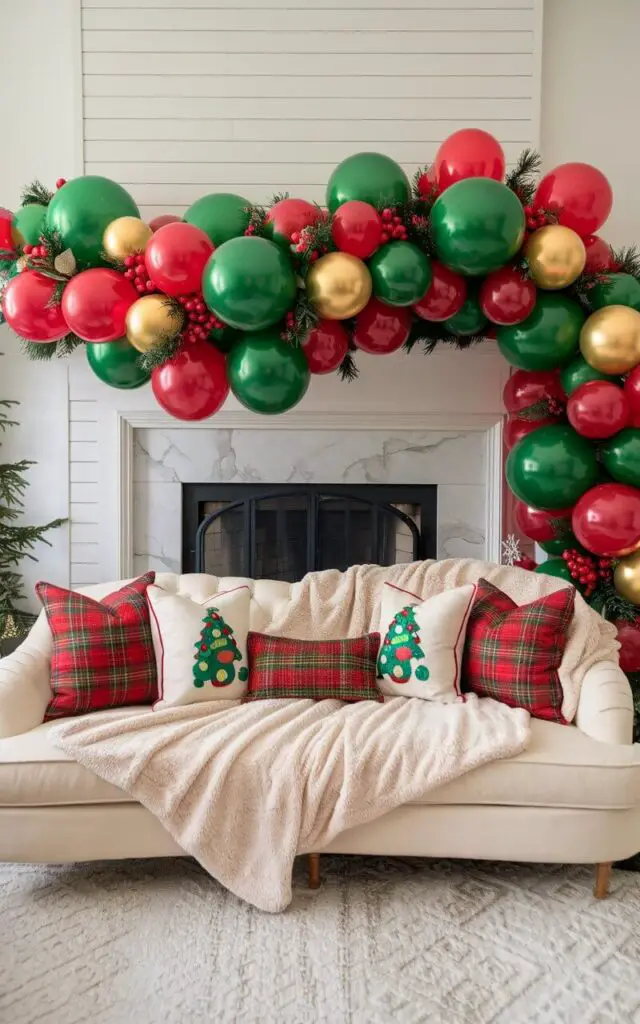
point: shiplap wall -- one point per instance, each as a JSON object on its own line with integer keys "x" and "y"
{"x": 263, "y": 96}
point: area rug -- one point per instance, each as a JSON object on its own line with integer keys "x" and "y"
{"x": 382, "y": 940}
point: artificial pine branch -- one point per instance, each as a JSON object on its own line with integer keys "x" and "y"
{"x": 627, "y": 261}
{"x": 160, "y": 354}
{"x": 68, "y": 344}
{"x": 316, "y": 238}
{"x": 277, "y": 198}
{"x": 36, "y": 193}
{"x": 257, "y": 220}
{"x": 305, "y": 318}
{"x": 348, "y": 370}
{"x": 523, "y": 179}
{"x": 610, "y": 604}
{"x": 39, "y": 351}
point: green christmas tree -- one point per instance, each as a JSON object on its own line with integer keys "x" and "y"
{"x": 400, "y": 647}
{"x": 216, "y": 651}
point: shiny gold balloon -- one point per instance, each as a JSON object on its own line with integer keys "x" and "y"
{"x": 124, "y": 236}
{"x": 153, "y": 320}
{"x": 610, "y": 339}
{"x": 626, "y": 577}
{"x": 339, "y": 285}
{"x": 556, "y": 256}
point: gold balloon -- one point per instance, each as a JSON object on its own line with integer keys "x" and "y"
{"x": 339, "y": 285}
{"x": 153, "y": 320}
{"x": 556, "y": 256}
{"x": 124, "y": 236}
{"x": 626, "y": 577}
{"x": 610, "y": 339}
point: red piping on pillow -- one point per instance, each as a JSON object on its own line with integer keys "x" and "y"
{"x": 463, "y": 625}
{"x": 403, "y": 591}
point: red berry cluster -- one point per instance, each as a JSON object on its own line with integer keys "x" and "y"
{"x": 136, "y": 272}
{"x": 36, "y": 252}
{"x": 392, "y": 227}
{"x": 555, "y": 407}
{"x": 200, "y": 321}
{"x": 587, "y": 569}
{"x": 60, "y": 182}
{"x": 537, "y": 219}
{"x": 302, "y": 242}
{"x": 250, "y": 229}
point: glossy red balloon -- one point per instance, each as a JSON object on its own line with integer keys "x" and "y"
{"x": 506, "y": 297}
{"x": 27, "y": 308}
{"x": 95, "y": 304}
{"x": 164, "y": 218}
{"x": 629, "y": 639}
{"x": 538, "y": 524}
{"x": 598, "y": 409}
{"x": 580, "y": 193}
{"x": 290, "y": 216}
{"x": 530, "y": 387}
{"x": 445, "y": 295}
{"x": 357, "y": 228}
{"x": 381, "y": 329}
{"x": 194, "y": 384}
{"x": 468, "y": 153}
{"x": 515, "y": 429}
{"x": 175, "y": 257}
{"x": 632, "y": 393}
{"x": 7, "y": 234}
{"x": 325, "y": 346}
{"x": 606, "y": 519}
{"x": 599, "y": 255}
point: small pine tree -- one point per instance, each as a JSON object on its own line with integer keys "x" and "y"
{"x": 400, "y": 647}
{"x": 216, "y": 651}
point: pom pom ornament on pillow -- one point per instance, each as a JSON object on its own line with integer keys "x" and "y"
{"x": 421, "y": 651}
{"x": 200, "y": 646}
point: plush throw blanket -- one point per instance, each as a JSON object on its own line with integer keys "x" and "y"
{"x": 244, "y": 788}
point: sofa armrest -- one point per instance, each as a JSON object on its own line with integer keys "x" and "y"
{"x": 605, "y": 707}
{"x": 25, "y": 688}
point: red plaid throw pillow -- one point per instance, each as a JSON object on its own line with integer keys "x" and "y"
{"x": 513, "y": 653}
{"x": 102, "y": 650}
{"x": 315, "y": 669}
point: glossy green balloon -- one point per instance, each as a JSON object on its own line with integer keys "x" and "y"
{"x": 249, "y": 283}
{"x": 621, "y": 456}
{"x": 616, "y": 290}
{"x": 29, "y": 221}
{"x": 557, "y": 567}
{"x": 221, "y": 215}
{"x": 549, "y": 336}
{"x": 81, "y": 210}
{"x": 8, "y": 270}
{"x": 478, "y": 225}
{"x": 371, "y": 178}
{"x": 559, "y": 544}
{"x": 579, "y": 372}
{"x": 116, "y": 364}
{"x": 401, "y": 273}
{"x": 469, "y": 319}
{"x": 224, "y": 338}
{"x": 267, "y": 374}
{"x": 551, "y": 467}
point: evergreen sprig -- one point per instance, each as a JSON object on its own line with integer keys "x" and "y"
{"x": 257, "y": 220}
{"x": 160, "y": 354}
{"x": 305, "y": 318}
{"x": 36, "y": 193}
{"x": 627, "y": 261}
{"x": 523, "y": 179}
{"x": 610, "y": 604}
{"x": 318, "y": 238}
{"x": 42, "y": 352}
{"x": 430, "y": 335}
{"x": 348, "y": 370}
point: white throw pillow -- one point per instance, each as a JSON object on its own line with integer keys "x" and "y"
{"x": 422, "y": 641}
{"x": 200, "y": 646}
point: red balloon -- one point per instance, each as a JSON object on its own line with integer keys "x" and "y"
{"x": 515, "y": 428}
{"x": 325, "y": 346}
{"x": 357, "y": 228}
{"x": 290, "y": 216}
{"x": 599, "y": 255}
{"x": 538, "y": 524}
{"x": 581, "y": 194}
{"x": 164, "y": 218}
{"x": 445, "y": 295}
{"x": 468, "y": 153}
{"x": 95, "y": 304}
{"x": 27, "y": 307}
{"x": 175, "y": 257}
{"x": 606, "y": 519}
{"x": 632, "y": 393}
{"x": 530, "y": 387}
{"x": 629, "y": 639}
{"x": 598, "y": 409}
{"x": 381, "y": 329}
{"x": 506, "y": 297}
{"x": 8, "y": 236}
{"x": 193, "y": 385}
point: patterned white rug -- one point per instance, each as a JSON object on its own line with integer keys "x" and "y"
{"x": 402, "y": 941}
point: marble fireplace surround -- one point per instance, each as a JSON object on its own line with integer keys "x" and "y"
{"x": 147, "y": 458}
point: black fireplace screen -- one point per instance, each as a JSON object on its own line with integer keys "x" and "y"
{"x": 283, "y": 532}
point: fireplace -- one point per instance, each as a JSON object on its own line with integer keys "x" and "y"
{"x": 281, "y": 532}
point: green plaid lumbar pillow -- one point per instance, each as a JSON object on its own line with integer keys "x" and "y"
{"x": 313, "y": 669}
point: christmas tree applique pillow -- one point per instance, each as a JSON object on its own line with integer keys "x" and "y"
{"x": 422, "y": 642}
{"x": 200, "y": 646}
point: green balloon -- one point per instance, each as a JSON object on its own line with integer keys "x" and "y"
{"x": 401, "y": 273}
{"x": 81, "y": 210}
{"x": 621, "y": 456}
{"x": 469, "y": 319}
{"x": 116, "y": 363}
{"x": 478, "y": 225}
{"x": 221, "y": 215}
{"x": 558, "y": 544}
{"x": 224, "y": 338}
{"x": 29, "y": 221}
{"x": 267, "y": 374}
{"x": 551, "y": 467}
{"x": 370, "y": 177}
{"x": 249, "y": 283}
{"x": 557, "y": 567}
{"x": 616, "y": 290}
{"x": 548, "y": 338}
{"x": 579, "y": 372}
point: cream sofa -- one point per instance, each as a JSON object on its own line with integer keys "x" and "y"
{"x": 572, "y": 796}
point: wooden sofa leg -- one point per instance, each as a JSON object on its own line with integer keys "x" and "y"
{"x": 314, "y": 870}
{"x": 603, "y": 876}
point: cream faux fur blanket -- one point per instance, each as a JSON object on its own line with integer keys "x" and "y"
{"x": 244, "y": 788}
